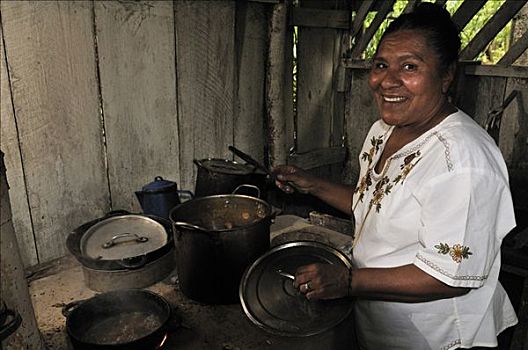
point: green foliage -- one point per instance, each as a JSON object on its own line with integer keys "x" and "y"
{"x": 491, "y": 54}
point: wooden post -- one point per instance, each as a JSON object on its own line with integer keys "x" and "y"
{"x": 13, "y": 285}
{"x": 275, "y": 90}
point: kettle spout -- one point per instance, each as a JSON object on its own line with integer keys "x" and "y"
{"x": 140, "y": 196}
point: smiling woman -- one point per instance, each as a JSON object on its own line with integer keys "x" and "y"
{"x": 431, "y": 206}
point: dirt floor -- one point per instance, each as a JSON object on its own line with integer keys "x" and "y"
{"x": 196, "y": 326}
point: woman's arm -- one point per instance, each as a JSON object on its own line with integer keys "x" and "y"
{"x": 337, "y": 195}
{"x": 404, "y": 283}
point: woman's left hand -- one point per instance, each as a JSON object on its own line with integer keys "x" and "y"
{"x": 322, "y": 281}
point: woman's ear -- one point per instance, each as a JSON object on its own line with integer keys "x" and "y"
{"x": 448, "y": 77}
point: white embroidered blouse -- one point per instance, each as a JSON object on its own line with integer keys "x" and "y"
{"x": 442, "y": 203}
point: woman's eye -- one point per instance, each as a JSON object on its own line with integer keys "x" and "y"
{"x": 409, "y": 66}
{"x": 379, "y": 65}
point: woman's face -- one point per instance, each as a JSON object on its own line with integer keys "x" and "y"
{"x": 406, "y": 80}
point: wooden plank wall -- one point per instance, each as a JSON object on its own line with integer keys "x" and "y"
{"x": 50, "y": 55}
{"x": 99, "y": 97}
{"x": 485, "y": 89}
{"x": 135, "y": 42}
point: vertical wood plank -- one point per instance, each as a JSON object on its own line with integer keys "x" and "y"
{"x": 513, "y": 136}
{"x": 319, "y": 124}
{"x": 9, "y": 144}
{"x": 205, "y": 56}
{"x": 252, "y": 46}
{"x": 513, "y": 140}
{"x": 361, "y": 113}
{"x": 481, "y": 95}
{"x": 50, "y": 50}
{"x": 138, "y": 89}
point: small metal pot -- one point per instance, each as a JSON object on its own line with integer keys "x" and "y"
{"x": 222, "y": 176}
{"x": 216, "y": 238}
{"x": 124, "y": 319}
{"x": 123, "y": 245}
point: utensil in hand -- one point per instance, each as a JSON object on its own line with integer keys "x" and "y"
{"x": 286, "y": 274}
{"x": 250, "y": 160}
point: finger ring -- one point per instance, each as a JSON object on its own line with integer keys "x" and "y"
{"x": 307, "y": 287}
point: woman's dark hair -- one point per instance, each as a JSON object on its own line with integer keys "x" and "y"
{"x": 436, "y": 24}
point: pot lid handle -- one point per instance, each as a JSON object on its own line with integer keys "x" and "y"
{"x": 112, "y": 242}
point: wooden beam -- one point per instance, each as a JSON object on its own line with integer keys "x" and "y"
{"x": 466, "y": 11}
{"x": 338, "y": 19}
{"x": 515, "y": 51}
{"x": 490, "y": 29}
{"x": 355, "y": 63}
{"x": 410, "y": 6}
{"x": 498, "y": 71}
{"x": 357, "y": 23}
{"x": 364, "y": 40}
{"x": 318, "y": 157}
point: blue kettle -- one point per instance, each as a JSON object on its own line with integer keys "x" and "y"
{"x": 160, "y": 196}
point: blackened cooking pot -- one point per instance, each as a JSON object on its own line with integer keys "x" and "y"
{"x": 222, "y": 176}
{"x": 130, "y": 319}
{"x": 216, "y": 238}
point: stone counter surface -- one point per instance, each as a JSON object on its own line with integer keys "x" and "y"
{"x": 223, "y": 327}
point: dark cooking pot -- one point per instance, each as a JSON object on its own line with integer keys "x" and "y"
{"x": 216, "y": 238}
{"x": 130, "y": 319}
{"x": 222, "y": 176}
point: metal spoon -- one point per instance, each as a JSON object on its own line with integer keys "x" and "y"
{"x": 285, "y": 274}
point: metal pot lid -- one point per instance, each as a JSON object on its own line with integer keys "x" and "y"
{"x": 122, "y": 237}
{"x": 225, "y": 166}
{"x": 160, "y": 184}
{"x": 272, "y": 303}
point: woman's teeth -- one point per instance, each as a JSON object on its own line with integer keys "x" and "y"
{"x": 393, "y": 99}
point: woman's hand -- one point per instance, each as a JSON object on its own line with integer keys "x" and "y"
{"x": 322, "y": 281}
{"x": 290, "y": 178}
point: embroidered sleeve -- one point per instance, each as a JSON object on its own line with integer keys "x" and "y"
{"x": 465, "y": 215}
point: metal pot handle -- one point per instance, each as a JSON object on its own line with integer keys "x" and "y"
{"x": 185, "y": 194}
{"x": 134, "y": 263}
{"x": 11, "y": 326}
{"x": 248, "y": 186}
{"x": 190, "y": 226}
{"x": 198, "y": 163}
{"x": 112, "y": 242}
{"x": 70, "y": 307}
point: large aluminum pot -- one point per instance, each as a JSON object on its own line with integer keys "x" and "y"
{"x": 217, "y": 238}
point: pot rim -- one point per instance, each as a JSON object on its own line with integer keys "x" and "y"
{"x": 74, "y": 240}
{"x": 121, "y": 293}
{"x": 269, "y": 211}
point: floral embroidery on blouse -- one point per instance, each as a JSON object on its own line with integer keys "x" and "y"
{"x": 376, "y": 142}
{"x": 407, "y": 166}
{"x": 384, "y": 185}
{"x": 457, "y": 251}
{"x": 382, "y": 188}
